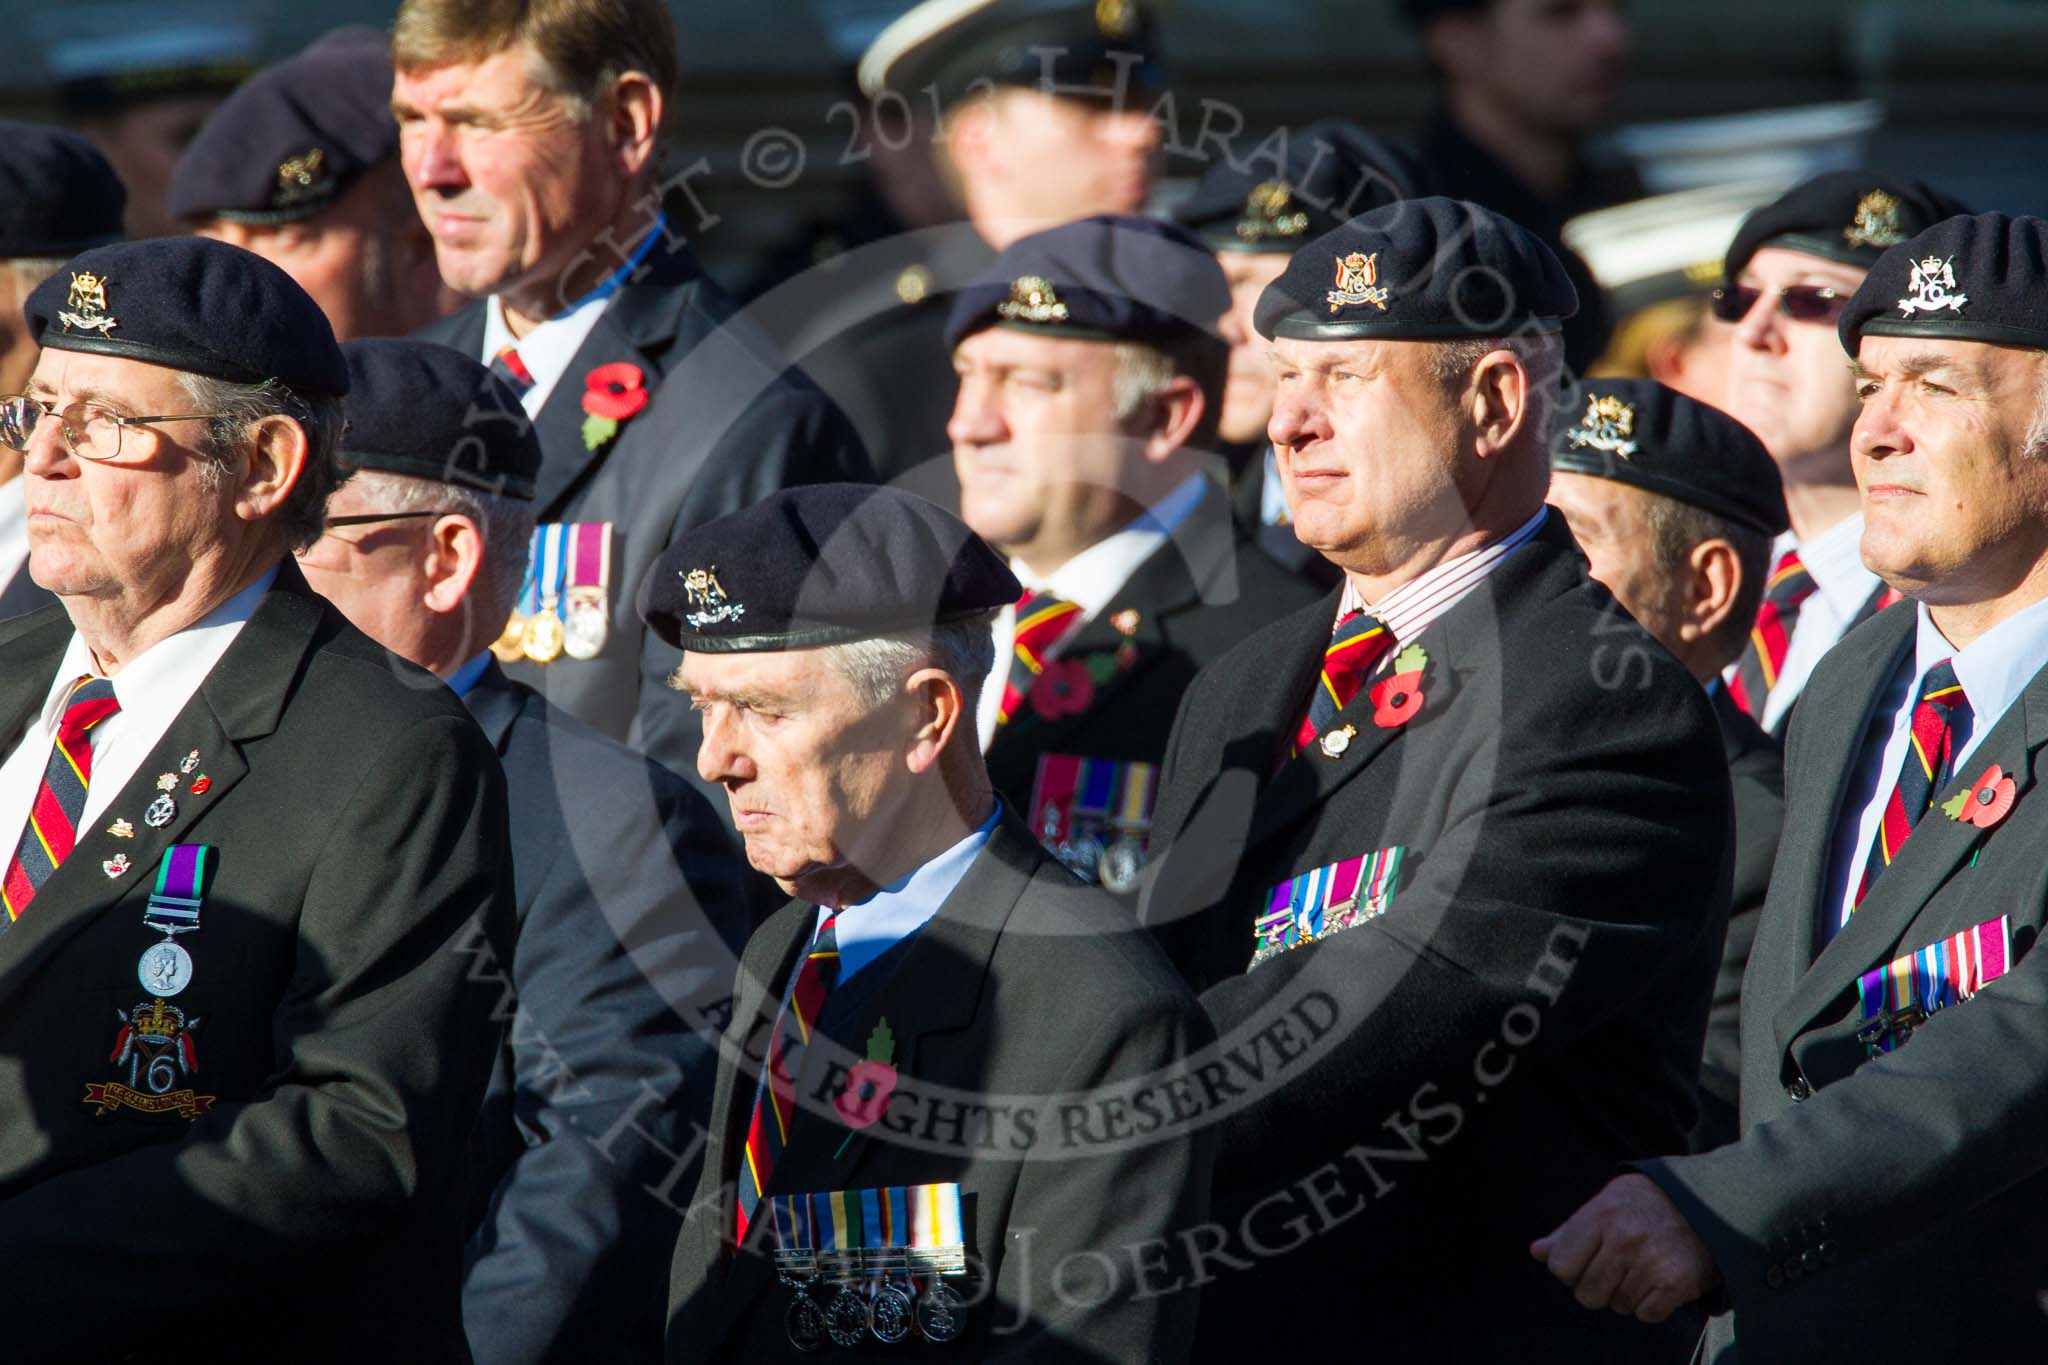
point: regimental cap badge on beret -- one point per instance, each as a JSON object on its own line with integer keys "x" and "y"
{"x": 1933, "y": 283}
{"x": 703, "y": 591}
{"x": 86, "y": 307}
{"x": 1876, "y": 223}
{"x": 1607, "y": 425}
{"x": 301, "y": 178}
{"x": 1269, "y": 212}
{"x": 1032, "y": 299}
{"x": 1358, "y": 276}
{"x": 1115, "y": 19}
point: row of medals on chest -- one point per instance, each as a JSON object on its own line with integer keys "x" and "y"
{"x": 880, "y": 1292}
{"x": 577, "y": 624}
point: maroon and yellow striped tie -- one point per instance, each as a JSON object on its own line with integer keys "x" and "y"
{"x": 775, "y": 1096}
{"x": 1941, "y": 715}
{"x": 1785, "y": 591}
{"x": 1354, "y": 649}
{"x": 52, "y": 828}
{"x": 1042, "y": 621}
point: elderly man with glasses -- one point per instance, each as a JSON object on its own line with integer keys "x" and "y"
{"x": 245, "y": 852}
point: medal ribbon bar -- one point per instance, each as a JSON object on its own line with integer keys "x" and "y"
{"x": 175, "y": 903}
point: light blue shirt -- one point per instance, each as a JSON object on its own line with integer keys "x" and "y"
{"x": 869, "y": 928}
{"x": 1273, "y": 510}
{"x": 465, "y": 677}
{"x": 1993, "y": 670}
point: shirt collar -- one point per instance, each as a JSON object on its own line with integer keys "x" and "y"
{"x": 1835, "y": 560}
{"x": 1410, "y": 608}
{"x": 1994, "y": 668}
{"x": 1091, "y": 578}
{"x": 550, "y": 347}
{"x": 868, "y": 929}
{"x": 465, "y": 677}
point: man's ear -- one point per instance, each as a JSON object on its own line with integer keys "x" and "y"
{"x": 1176, "y": 413}
{"x": 1498, "y": 402}
{"x": 633, "y": 115}
{"x": 940, "y": 709}
{"x": 1713, "y": 584}
{"x": 277, "y": 456}
{"x": 454, "y": 558}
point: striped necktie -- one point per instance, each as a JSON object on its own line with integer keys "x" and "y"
{"x": 775, "y": 1096}
{"x": 1355, "y": 648}
{"x": 52, "y": 827}
{"x": 1764, "y": 658}
{"x": 507, "y": 365}
{"x": 1043, "y": 620}
{"x": 1940, "y": 718}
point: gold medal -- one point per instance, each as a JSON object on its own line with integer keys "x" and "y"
{"x": 510, "y": 646}
{"x": 543, "y": 642}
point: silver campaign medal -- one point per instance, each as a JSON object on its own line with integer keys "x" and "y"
{"x": 1123, "y": 862}
{"x": 846, "y": 1318}
{"x": 941, "y": 1312}
{"x": 890, "y": 1315}
{"x": 164, "y": 968}
{"x": 804, "y": 1323}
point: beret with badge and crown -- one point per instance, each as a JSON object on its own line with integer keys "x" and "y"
{"x": 1974, "y": 277}
{"x": 429, "y": 411}
{"x": 1849, "y": 217}
{"x": 818, "y": 565}
{"x": 58, "y": 195}
{"x": 1638, "y": 432}
{"x": 1321, "y": 176}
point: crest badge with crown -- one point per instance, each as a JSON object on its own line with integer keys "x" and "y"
{"x": 1607, "y": 425}
{"x": 1358, "y": 281}
{"x": 86, "y": 306}
{"x": 1933, "y": 286}
{"x": 1875, "y": 223}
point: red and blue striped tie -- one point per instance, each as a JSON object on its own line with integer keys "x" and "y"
{"x": 1043, "y": 620}
{"x": 1355, "y": 648}
{"x": 509, "y": 367}
{"x": 1938, "y": 717}
{"x": 52, "y": 826}
{"x": 1785, "y": 591}
{"x": 775, "y": 1096}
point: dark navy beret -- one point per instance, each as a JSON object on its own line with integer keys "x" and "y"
{"x": 58, "y": 195}
{"x": 1850, "y": 217}
{"x": 1419, "y": 269}
{"x": 821, "y": 565}
{"x": 190, "y": 303}
{"x": 423, "y": 409}
{"x": 295, "y": 137}
{"x": 1323, "y": 175}
{"x": 1981, "y": 277}
{"x": 1112, "y": 277}
{"x": 1062, "y": 46}
{"x": 1638, "y": 432}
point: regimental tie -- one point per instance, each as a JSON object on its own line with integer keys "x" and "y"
{"x": 775, "y": 1096}
{"x": 1043, "y": 620}
{"x": 1785, "y": 591}
{"x": 1940, "y": 717}
{"x": 1355, "y": 648}
{"x": 509, "y": 367}
{"x": 53, "y": 820}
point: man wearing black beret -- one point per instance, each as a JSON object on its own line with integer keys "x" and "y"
{"x": 1037, "y": 112}
{"x": 300, "y": 166}
{"x": 1890, "y": 1194}
{"x": 1090, "y": 383}
{"x": 1793, "y": 264}
{"x": 58, "y": 196}
{"x": 1675, "y": 504}
{"x": 533, "y": 136}
{"x": 1414, "y": 806}
{"x": 967, "y": 1052}
{"x": 1253, "y": 215}
{"x": 244, "y": 849}
{"x": 627, "y": 899}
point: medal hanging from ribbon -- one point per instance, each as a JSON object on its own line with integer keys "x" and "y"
{"x": 586, "y": 602}
{"x": 1325, "y": 901}
{"x": 796, "y": 1265}
{"x": 166, "y": 968}
{"x": 887, "y": 1251}
{"x": 1095, "y": 815}
{"x": 543, "y": 642}
{"x": 156, "y": 1039}
{"x": 1899, "y": 996}
{"x": 510, "y": 646}
{"x": 840, "y": 1242}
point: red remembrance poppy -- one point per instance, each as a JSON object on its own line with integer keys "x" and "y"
{"x": 615, "y": 391}
{"x": 1990, "y": 797}
{"x": 1395, "y": 700}
{"x": 869, "y": 1085}
{"x": 1065, "y": 688}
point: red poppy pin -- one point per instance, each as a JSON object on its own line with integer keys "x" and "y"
{"x": 869, "y": 1085}
{"x": 1065, "y": 688}
{"x": 1398, "y": 696}
{"x": 1985, "y": 802}
{"x": 611, "y": 394}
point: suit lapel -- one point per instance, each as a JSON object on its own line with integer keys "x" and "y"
{"x": 494, "y": 702}
{"x": 239, "y": 700}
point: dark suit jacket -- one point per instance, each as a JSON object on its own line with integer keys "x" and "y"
{"x": 1023, "y": 1007}
{"x": 357, "y": 818}
{"x": 1197, "y": 596}
{"x": 728, "y": 424}
{"x": 1921, "y": 1173}
{"x": 20, "y": 596}
{"x": 1526, "y": 1015}
{"x": 629, "y": 923}
{"x": 1756, "y": 767}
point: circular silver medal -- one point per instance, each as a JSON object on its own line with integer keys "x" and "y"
{"x": 585, "y": 627}
{"x": 1122, "y": 862}
{"x": 941, "y": 1312}
{"x": 805, "y": 1323}
{"x": 846, "y": 1318}
{"x": 1082, "y": 855}
{"x": 160, "y": 813}
{"x": 889, "y": 1316}
{"x": 164, "y": 968}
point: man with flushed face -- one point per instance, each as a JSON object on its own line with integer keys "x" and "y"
{"x": 1898, "y": 1067}
{"x": 1090, "y": 382}
{"x": 938, "y": 992}
{"x": 1253, "y": 215}
{"x": 1412, "y": 795}
{"x": 1792, "y": 266}
{"x": 533, "y": 137}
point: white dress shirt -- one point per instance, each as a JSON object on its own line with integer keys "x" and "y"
{"x": 1994, "y": 669}
{"x": 152, "y": 689}
{"x": 1841, "y": 586}
{"x": 13, "y": 528}
{"x": 1410, "y": 608}
{"x": 1090, "y": 580}
{"x": 548, "y": 348}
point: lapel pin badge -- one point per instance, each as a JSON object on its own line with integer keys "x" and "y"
{"x": 1397, "y": 697}
{"x": 1984, "y": 802}
{"x": 121, "y": 829}
{"x": 201, "y": 785}
{"x": 116, "y": 866}
{"x": 167, "y": 782}
{"x": 1336, "y": 742}
{"x": 161, "y": 812}
{"x": 189, "y": 762}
